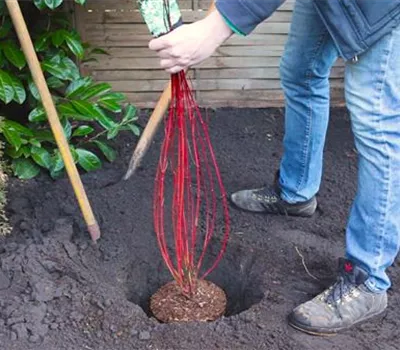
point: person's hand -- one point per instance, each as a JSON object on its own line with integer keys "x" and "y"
{"x": 192, "y": 43}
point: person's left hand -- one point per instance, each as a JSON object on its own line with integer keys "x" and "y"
{"x": 190, "y": 44}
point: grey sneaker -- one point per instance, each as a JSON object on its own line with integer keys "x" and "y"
{"x": 345, "y": 304}
{"x": 268, "y": 200}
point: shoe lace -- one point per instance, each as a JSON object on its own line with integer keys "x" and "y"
{"x": 268, "y": 193}
{"x": 339, "y": 290}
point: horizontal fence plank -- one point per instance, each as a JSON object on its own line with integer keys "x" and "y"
{"x": 133, "y": 16}
{"x": 242, "y": 51}
{"x": 206, "y": 84}
{"x": 212, "y": 62}
{"x": 263, "y": 73}
{"x": 97, "y": 29}
{"x": 238, "y": 99}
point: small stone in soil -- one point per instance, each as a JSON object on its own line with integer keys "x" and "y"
{"x": 144, "y": 335}
{"x": 134, "y": 332}
{"x": 20, "y": 330}
{"x": 34, "y": 338}
{"x": 13, "y": 336}
{"x": 24, "y": 226}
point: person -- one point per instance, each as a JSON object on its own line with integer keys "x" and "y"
{"x": 366, "y": 35}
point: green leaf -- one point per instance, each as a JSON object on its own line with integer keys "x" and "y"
{"x": 87, "y": 109}
{"x": 35, "y": 143}
{"x": 40, "y": 4}
{"x": 19, "y": 90}
{"x": 14, "y": 54}
{"x": 134, "y": 128}
{"x": 72, "y": 68}
{"x": 88, "y": 160}
{"x": 113, "y": 96}
{"x": 80, "y": 2}
{"x": 6, "y": 87}
{"x": 44, "y": 135}
{"x": 41, "y": 157}
{"x": 111, "y": 106}
{"x": 68, "y": 109}
{"x": 55, "y": 83}
{"x": 130, "y": 114}
{"x": 95, "y": 90}
{"x": 99, "y": 51}
{"x": 57, "y": 70}
{"x": 13, "y": 138}
{"x": 67, "y": 128}
{"x": 77, "y": 86}
{"x": 57, "y": 164}
{"x": 58, "y": 37}
{"x": 33, "y": 89}
{"x": 53, "y": 4}
{"x": 112, "y": 133}
{"x": 25, "y": 169}
{"x": 108, "y": 151}
{"x": 82, "y": 130}
{"x": 42, "y": 42}
{"x": 75, "y": 46}
{"x": 37, "y": 115}
{"x": 10, "y": 124}
{"x": 12, "y": 152}
{"x": 5, "y": 28}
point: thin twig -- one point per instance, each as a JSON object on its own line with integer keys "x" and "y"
{"x": 304, "y": 264}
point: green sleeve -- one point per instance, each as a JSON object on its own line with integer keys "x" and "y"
{"x": 231, "y": 26}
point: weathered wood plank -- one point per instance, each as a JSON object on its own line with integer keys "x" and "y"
{"x": 238, "y": 73}
{"x": 213, "y": 62}
{"x": 137, "y": 40}
{"x": 207, "y": 84}
{"x": 241, "y": 51}
{"x": 132, "y": 16}
{"x": 133, "y": 28}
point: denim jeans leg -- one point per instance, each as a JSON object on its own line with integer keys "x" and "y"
{"x": 305, "y": 68}
{"x": 373, "y": 99}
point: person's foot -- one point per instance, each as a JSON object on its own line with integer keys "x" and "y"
{"x": 268, "y": 200}
{"x": 346, "y": 303}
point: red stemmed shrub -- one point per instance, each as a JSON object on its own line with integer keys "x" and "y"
{"x": 190, "y": 204}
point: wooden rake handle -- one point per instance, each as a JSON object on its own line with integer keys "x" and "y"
{"x": 56, "y": 127}
{"x": 152, "y": 125}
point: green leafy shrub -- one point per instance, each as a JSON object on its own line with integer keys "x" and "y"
{"x": 90, "y": 112}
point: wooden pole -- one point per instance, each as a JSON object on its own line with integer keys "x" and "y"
{"x": 56, "y": 127}
{"x": 152, "y": 126}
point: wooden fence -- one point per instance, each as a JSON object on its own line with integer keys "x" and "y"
{"x": 244, "y": 72}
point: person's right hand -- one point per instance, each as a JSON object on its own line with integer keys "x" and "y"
{"x": 192, "y": 43}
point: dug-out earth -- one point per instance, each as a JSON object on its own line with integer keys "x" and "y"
{"x": 58, "y": 291}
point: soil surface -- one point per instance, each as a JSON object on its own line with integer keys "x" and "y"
{"x": 60, "y": 292}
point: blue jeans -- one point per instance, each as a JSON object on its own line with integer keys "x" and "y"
{"x": 372, "y": 90}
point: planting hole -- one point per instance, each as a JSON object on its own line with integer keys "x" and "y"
{"x": 237, "y": 274}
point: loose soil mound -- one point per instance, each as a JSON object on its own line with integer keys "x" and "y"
{"x": 208, "y": 303}
{"x": 60, "y": 292}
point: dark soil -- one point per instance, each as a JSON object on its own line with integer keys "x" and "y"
{"x": 60, "y": 292}
{"x": 169, "y": 304}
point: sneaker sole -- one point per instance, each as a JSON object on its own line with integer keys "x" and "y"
{"x": 330, "y": 333}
